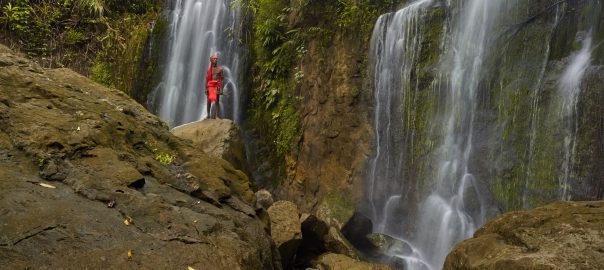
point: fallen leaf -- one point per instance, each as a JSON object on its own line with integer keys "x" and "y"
{"x": 128, "y": 220}
{"x": 190, "y": 268}
{"x": 46, "y": 185}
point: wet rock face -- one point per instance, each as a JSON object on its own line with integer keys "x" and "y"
{"x": 69, "y": 147}
{"x": 563, "y": 235}
{"x": 220, "y": 138}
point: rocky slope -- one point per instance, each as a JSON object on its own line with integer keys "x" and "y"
{"x": 89, "y": 178}
{"x": 563, "y": 235}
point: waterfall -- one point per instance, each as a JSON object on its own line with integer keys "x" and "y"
{"x": 198, "y": 29}
{"x": 395, "y": 44}
{"x": 442, "y": 216}
{"x": 569, "y": 88}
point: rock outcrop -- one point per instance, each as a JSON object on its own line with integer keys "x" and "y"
{"x": 563, "y": 235}
{"x": 220, "y": 138}
{"x": 285, "y": 230}
{"x": 88, "y": 177}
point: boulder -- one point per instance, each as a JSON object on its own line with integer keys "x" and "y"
{"x": 219, "y": 138}
{"x": 385, "y": 244}
{"x": 336, "y": 242}
{"x": 285, "y": 230}
{"x": 331, "y": 261}
{"x": 356, "y": 231}
{"x": 562, "y": 235}
{"x": 264, "y": 199}
{"x": 313, "y": 234}
{"x": 89, "y": 178}
{"x": 335, "y": 210}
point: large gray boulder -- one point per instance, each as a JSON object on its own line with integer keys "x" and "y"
{"x": 562, "y": 235}
{"x": 220, "y": 138}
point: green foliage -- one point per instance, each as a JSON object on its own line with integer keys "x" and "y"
{"x": 93, "y": 7}
{"x": 101, "y": 73}
{"x": 276, "y": 48}
{"x": 355, "y": 15}
{"x": 162, "y": 157}
{"x": 73, "y": 37}
{"x": 15, "y": 17}
{"x": 70, "y": 33}
{"x": 281, "y": 31}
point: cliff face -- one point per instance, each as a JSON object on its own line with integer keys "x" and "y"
{"x": 525, "y": 147}
{"x": 89, "y": 177}
{"x": 311, "y": 98}
{"x": 335, "y": 136}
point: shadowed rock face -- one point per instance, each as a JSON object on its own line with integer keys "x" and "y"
{"x": 95, "y": 145}
{"x": 563, "y": 235}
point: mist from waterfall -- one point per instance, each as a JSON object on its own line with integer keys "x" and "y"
{"x": 569, "y": 89}
{"x": 394, "y": 46}
{"x": 197, "y": 30}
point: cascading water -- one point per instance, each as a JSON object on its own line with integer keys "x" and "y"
{"x": 198, "y": 29}
{"x": 395, "y": 45}
{"x": 442, "y": 217}
{"x": 569, "y": 89}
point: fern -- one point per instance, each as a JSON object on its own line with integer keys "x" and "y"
{"x": 94, "y": 7}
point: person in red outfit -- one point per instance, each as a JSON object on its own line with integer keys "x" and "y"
{"x": 214, "y": 79}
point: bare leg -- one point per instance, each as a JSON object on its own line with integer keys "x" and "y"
{"x": 208, "y": 108}
{"x": 218, "y": 107}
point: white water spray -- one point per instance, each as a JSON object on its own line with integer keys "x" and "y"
{"x": 198, "y": 29}
{"x": 569, "y": 89}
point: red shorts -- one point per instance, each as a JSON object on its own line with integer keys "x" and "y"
{"x": 212, "y": 94}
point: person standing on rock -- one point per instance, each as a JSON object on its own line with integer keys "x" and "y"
{"x": 214, "y": 79}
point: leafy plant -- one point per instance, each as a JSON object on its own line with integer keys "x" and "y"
{"x": 93, "y": 7}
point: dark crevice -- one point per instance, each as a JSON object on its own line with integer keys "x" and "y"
{"x": 32, "y": 234}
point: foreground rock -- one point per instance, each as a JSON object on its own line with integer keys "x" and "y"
{"x": 220, "y": 138}
{"x": 335, "y": 210}
{"x": 88, "y": 177}
{"x": 330, "y": 261}
{"x": 563, "y": 235}
{"x": 285, "y": 230}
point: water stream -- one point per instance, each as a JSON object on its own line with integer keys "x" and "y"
{"x": 197, "y": 30}
{"x": 442, "y": 219}
{"x": 569, "y": 89}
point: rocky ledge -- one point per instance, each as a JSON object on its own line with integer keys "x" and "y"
{"x": 89, "y": 178}
{"x": 563, "y": 235}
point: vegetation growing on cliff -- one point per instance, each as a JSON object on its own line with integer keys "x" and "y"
{"x": 103, "y": 38}
{"x": 281, "y": 31}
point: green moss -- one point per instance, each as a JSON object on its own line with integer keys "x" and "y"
{"x": 281, "y": 30}
{"x": 337, "y": 206}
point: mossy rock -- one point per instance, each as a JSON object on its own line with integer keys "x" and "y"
{"x": 335, "y": 210}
